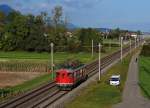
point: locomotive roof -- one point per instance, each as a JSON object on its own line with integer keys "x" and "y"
{"x": 69, "y": 70}
{"x": 66, "y": 70}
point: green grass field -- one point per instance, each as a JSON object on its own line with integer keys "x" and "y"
{"x": 102, "y": 95}
{"x": 116, "y": 41}
{"x": 144, "y": 76}
{"x": 58, "y": 56}
{"x": 40, "y": 62}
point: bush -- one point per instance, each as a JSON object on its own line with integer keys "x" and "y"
{"x": 112, "y": 45}
{"x": 146, "y": 50}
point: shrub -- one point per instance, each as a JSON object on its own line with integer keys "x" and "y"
{"x": 146, "y": 50}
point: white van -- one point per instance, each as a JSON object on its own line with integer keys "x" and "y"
{"x": 115, "y": 80}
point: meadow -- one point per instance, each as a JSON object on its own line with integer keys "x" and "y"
{"x": 144, "y": 75}
{"x": 40, "y": 62}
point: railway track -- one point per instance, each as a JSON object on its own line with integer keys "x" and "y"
{"x": 106, "y": 62}
{"x": 45, "y": 95}
{"x": 27, "y": 96}
{"x": 46, "y": 102}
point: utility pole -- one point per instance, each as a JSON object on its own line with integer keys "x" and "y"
{"x": 52, "y": 60}
{"x": 92, "y": 49}
{"x": 119, "y": 41}
{"x": 110, "y": 44}
{"x": 138, "y": 40}
{"x": 99, "y": 76}
{"x": 121, "y": 47}
{"x": 130, "y": 45}
{"x": 135, "y": 42}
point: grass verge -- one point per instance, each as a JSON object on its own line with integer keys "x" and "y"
{"x": 102, "y": 95}
{"x": 144, "y": 75}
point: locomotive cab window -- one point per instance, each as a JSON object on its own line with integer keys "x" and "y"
{"x": 70, "y": 75}
{"x": 63, "y": 75}
{"x": 57, "y": 74}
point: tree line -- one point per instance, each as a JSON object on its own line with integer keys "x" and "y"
{"x": 19, "y": 32}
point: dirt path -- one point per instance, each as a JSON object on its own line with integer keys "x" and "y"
{"x": 132, "y": 97}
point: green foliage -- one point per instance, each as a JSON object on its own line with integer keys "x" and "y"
{"x": 15, "y": 32}
{"x": 146, "y": 50}
{"x": 2, "y": 23}
{"x": 24, "y": 33}
{"x": 115, "y": 33}
{"x": 57, "y": 14}
{"x": 43, "y": 57}
{"x": 29, "y": 33}
{"x": 112, "y": 45}
{"x": 73, "y": 44}
{"x": 139, "y": 32}
{"x": 86, "y": 36}
{"x": 144, "y": 76}
{"x": 35, "y": 33}
{"x": 24, "y": 55}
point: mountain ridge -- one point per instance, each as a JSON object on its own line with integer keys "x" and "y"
{"x": 6, "y": 9}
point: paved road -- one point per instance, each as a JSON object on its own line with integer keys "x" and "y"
{"x": 132, "y": 97}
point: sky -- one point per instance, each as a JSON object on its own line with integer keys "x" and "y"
{"x": 125, "y": 14}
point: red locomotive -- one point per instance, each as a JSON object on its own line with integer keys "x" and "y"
{"x": 67, "y": 79}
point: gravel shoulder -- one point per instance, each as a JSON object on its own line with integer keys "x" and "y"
{"x": 132, "y": 97}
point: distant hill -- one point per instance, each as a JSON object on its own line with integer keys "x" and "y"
{"x": 6, "y": 9}
{"x": 146, "y": 33}
{"x": 103, "y": 29}
{"x": 71, "y": 26}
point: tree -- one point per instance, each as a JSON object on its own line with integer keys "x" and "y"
{"x": 86, "y": 36}
{"x": 73, "y": 44}
{"x": 2, "y": 23}
{"x": 57, "y": 13}
{"x": 139, "y": 32}
{"x": 15, "y": 32}
{"x": 36, "y": 40}
{"x": 35, "y": 33}
{"x": 25, "y": 33}
{"x": 115, "y": 33}
{"x": 58, "y": 35}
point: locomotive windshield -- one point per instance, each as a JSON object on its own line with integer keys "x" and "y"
{"x": 70, "y": 75}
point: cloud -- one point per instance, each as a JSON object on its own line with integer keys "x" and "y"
{"x": 77, "y": 3}
{"x": 49, "y": 4}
